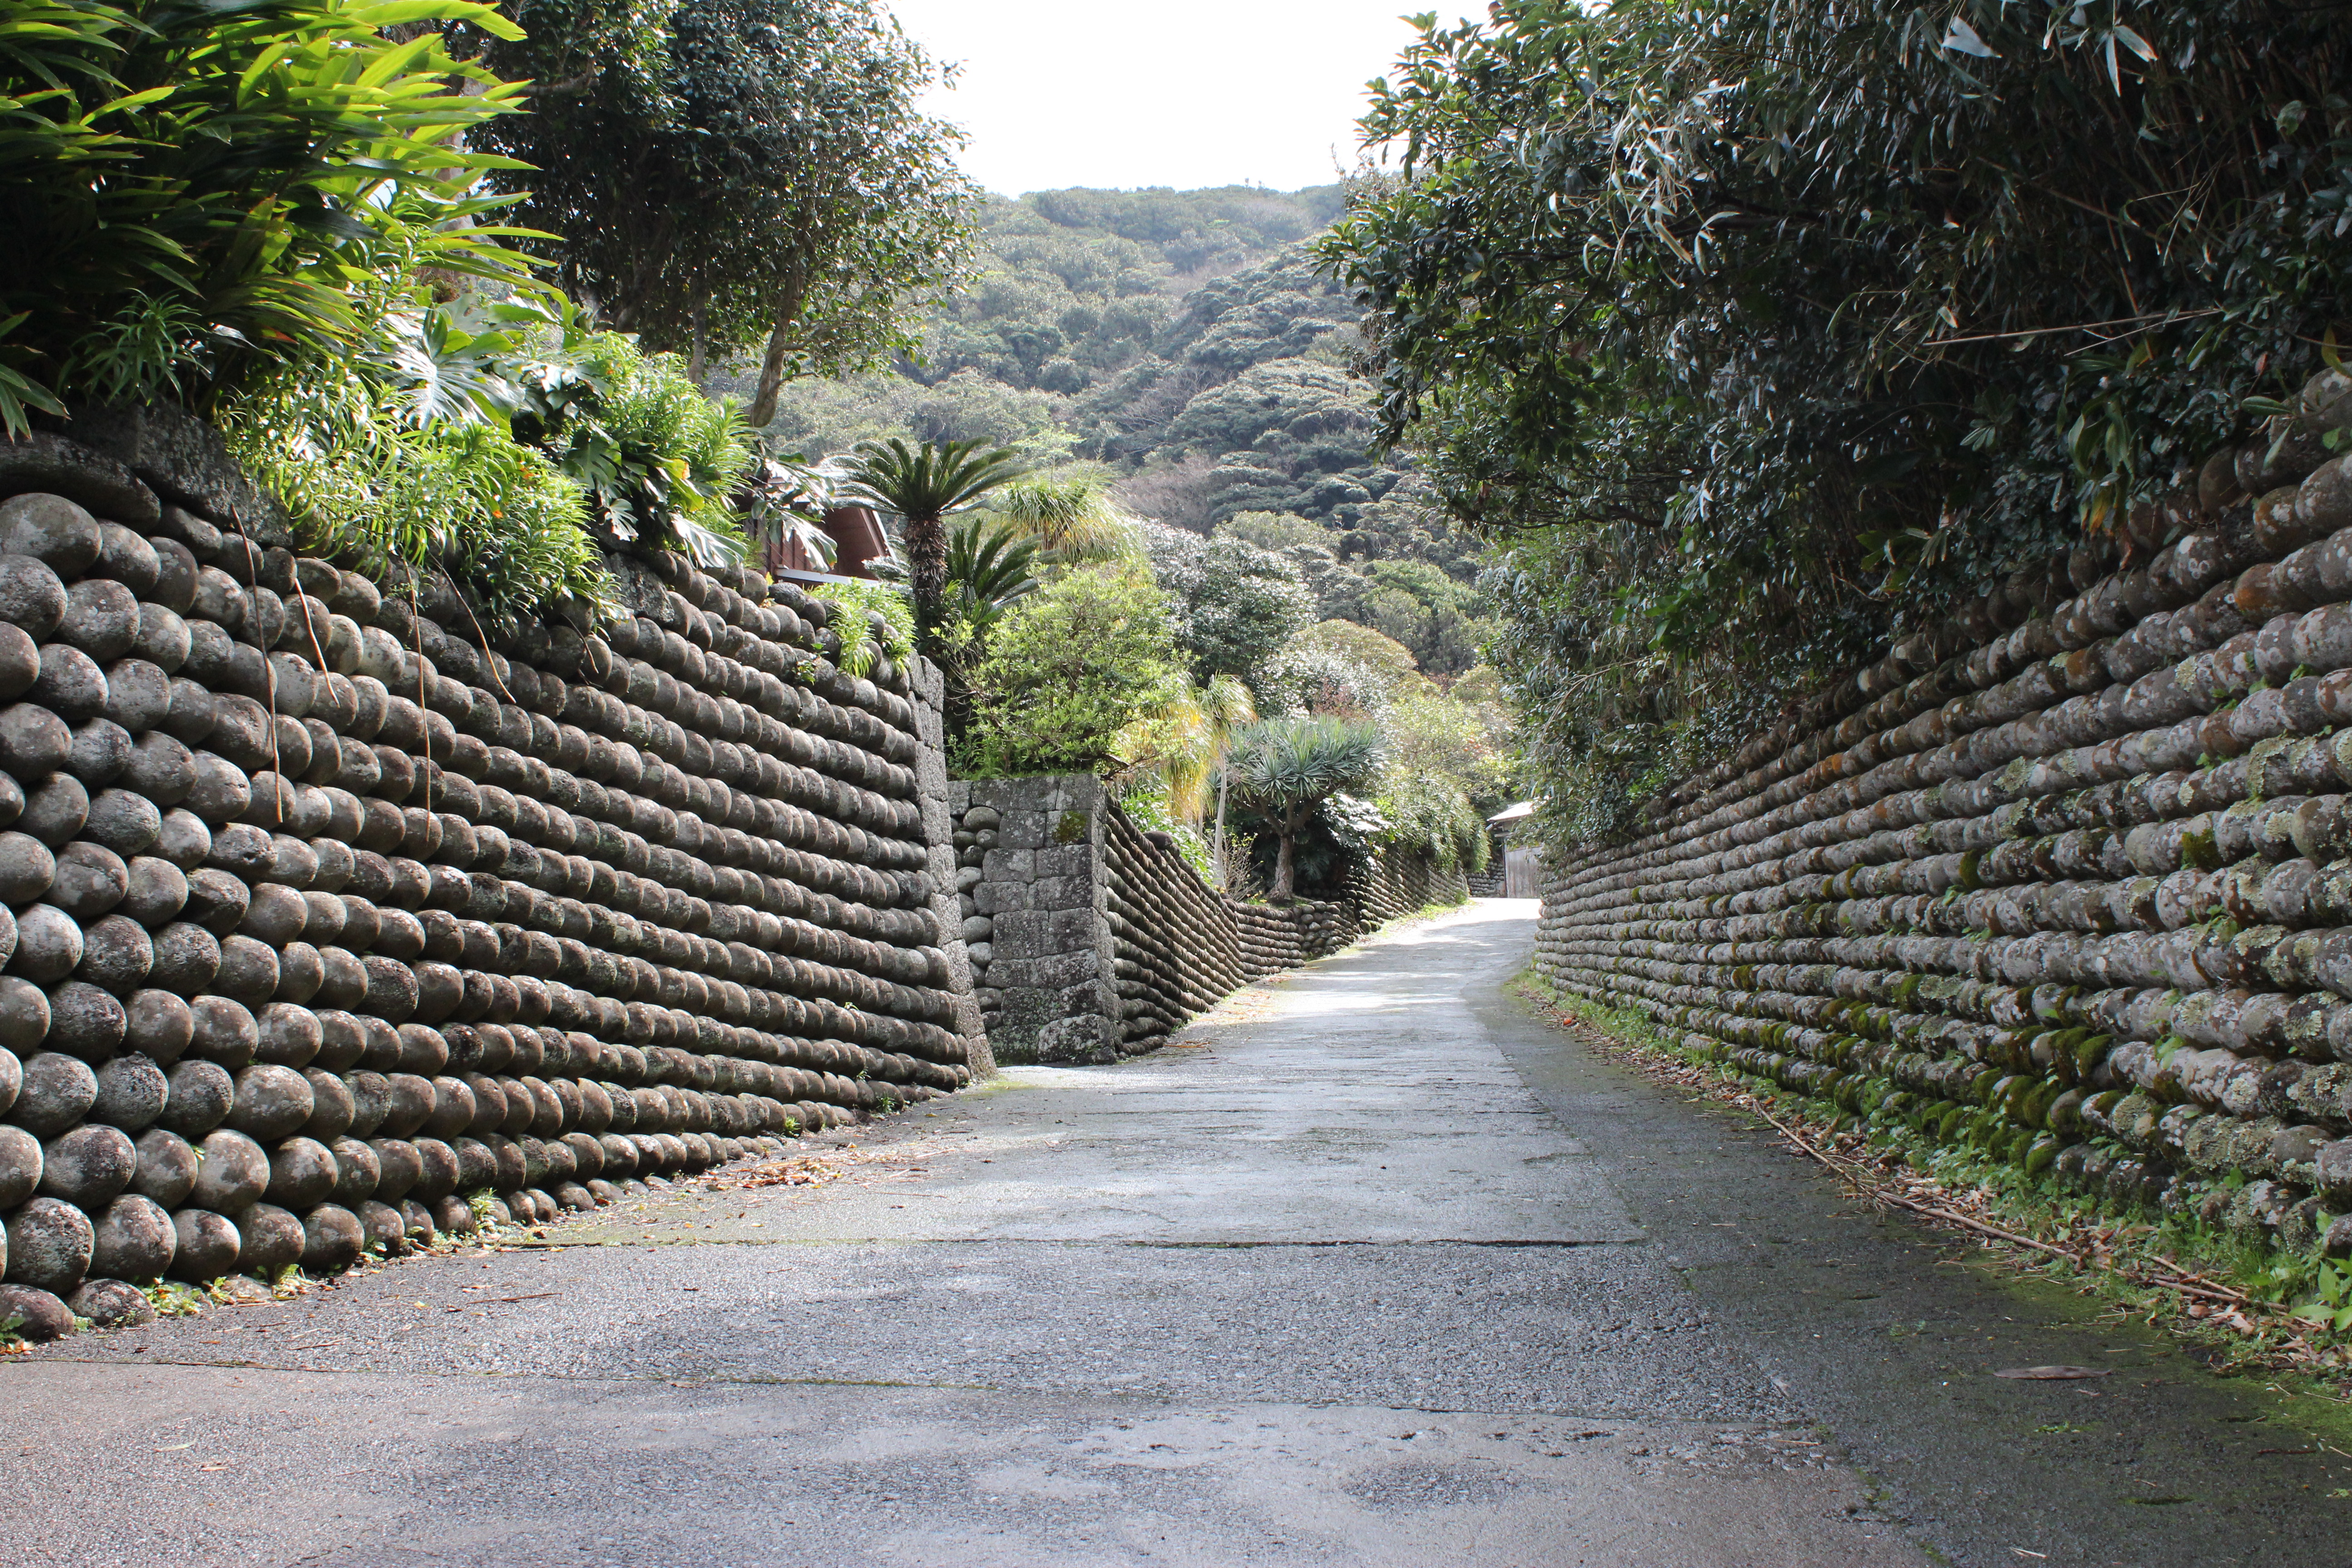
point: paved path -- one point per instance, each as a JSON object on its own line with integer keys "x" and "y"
{"x": 1383, "y": 1271}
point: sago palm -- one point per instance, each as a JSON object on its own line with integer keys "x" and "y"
{"x": 1287, "y": 767}
{"x": 922, "y": 486}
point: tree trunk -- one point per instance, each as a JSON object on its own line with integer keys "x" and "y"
{"x": 926, "y": 566}
{"x": 772, "y": 365}
{"x": 1284, "y": 861}
{"x": 1217, "y": 845}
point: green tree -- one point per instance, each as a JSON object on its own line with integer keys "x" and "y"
{"x": 922, "y": 485}
{"x": 1067, "y": 514}
{"x": 739, "y": 173}
{"x": 1068, "y": 669}
{"x": 1763, "y": 331}
{"x": 1287, "y": 768}
{"x": 1234, "y": 604}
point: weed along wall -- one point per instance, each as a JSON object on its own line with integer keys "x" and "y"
{"x": 1090, "y": 939}
{"x": 2077, "y": 893}
{"x": 325, "y": 916}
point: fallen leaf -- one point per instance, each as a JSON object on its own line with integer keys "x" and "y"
{"x": 2051, "y": 1374}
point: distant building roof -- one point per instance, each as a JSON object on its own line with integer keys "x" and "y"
{"x": 1518, "y": 811}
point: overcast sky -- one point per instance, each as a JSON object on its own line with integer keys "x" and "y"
{"x": 1208, "y": 92}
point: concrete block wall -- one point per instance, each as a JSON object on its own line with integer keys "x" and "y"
{"x": 2065, "y": 878}
{"x": 324, "y": 915}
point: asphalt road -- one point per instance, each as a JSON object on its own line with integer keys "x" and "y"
{"x": 1381, "y": 1269}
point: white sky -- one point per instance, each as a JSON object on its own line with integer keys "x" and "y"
{"x": 1205, "y": 92}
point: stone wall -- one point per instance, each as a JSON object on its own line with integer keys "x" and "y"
{"x": 1091, "y": 938}
{"x": 324, "y": 915}
{"x": 2065, "y": 878}
{"x": 1393, "y": 885}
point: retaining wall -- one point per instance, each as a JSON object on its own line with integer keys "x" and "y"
{"x": 2076, "y": 892}
{"x": 323, "y": 914}
{"x": 1091, "y": 939}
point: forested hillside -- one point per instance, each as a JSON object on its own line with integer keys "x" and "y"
{"x": 1186, "y": 341}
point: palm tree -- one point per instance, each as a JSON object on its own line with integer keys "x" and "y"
{"x": 922, "y": 485}
{"x": 1287, "y": 767}
{"x": 1069, "y": 515}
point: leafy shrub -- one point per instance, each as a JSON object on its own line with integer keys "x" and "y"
{"x": 194, "y": 189}
{"x": 1066, "y": 670}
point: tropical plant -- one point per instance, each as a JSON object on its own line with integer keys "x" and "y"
{"x": 193, "y": 190}
{"x": 1067, "y": 515}
{"x": 989, "y": 570}
{"x": 1066, "y": 672}
{"x": 782, "y": 501}
{"x": 1287, "y": 768}
{"x": 730, "y": 174}
{"x": 1181, "y": 746}
{"x": 860, "y": 607}
{"x": 922, "y": 486}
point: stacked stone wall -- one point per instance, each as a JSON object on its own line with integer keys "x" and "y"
{"x": 325, "y": 911}
{"x": 1091, "y": 938}
{"x": 1396, "y": 883}
{"x": 2076, "y": 891}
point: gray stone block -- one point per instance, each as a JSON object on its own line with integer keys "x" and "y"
{"x": 46, "y": 464}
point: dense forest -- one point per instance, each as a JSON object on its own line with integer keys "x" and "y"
{"x": 1187, "y": 342}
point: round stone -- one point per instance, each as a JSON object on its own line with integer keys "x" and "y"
{"x": 207, "y": 1246}
{"x": 34, "y": 741}
{"x": 28, "y": 868}
{"x": 333, "y": 1239}
{"x": 186, "y": 957}
{"x": 287, "y": 1035}
{"x": 58, "y": 1091}
{"x": 134, "y": 1240}
{"x": 49, "y": 944}
{"x": 48, "y": 1246}
{"x": 71, "y": 685}
{"x": 90, "y": 880}
{"x": 20, "y": 1166}
{"x": 86, "y": 1021}
{"x": 231, "y": 1172}
{"x": 249, "y": 970}
{"x": 167, "y": 1168}
{"x": 185, "y": 841}
{"x": 127, "y": 558}
{"x": 163, "y": 636}
{"x": 385, "y": 1225}
{"x": 32, "y": 596}
{"x": 272, "y": 1101}
{"x": 154, "y": 891}
{"x": 117, "y": 954}
{"x": 50, "y": 529}
{"x": 101, "y": 620}
{"x": 100, "y": 752}
{"x": 302, "y": 1172}
{"x": 131, "y": 1092}
{"x": 24, "y": 1015}
{"x": 55, "y": 806}
{"x": 88, "y": 1167}
{"x": 273, "y": 1240}
{"x": 158, "y": 1024}
{"x": 111, "y": 1303}
{"x": 332, "y": 1106}
{"x": 199, "y": 1098}
{"x": 218, "y": 899}
{"x": 20, "y": 661}
{"x": 225, "y": 1031}
{"x": 123, "y": 822}
{"x": 40, "y": 1315}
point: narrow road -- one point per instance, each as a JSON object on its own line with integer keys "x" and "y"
{"x": 1380, "y": 1271}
